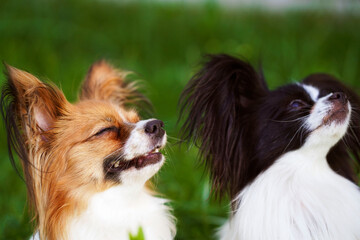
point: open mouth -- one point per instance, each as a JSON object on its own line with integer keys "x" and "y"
{"x": 152, "y": 157}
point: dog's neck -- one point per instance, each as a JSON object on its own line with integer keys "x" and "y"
{"x": 120, "y": 211}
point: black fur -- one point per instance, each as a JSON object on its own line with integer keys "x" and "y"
{"x": 242, "y": 128}
{"x": 216, "y": 100}
{"x": 108, "y": 162}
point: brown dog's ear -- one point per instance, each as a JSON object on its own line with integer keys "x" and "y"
{"x": 29, "y": 109}
{"x": 36, "y": 105}
{"x": 104, "y": 82}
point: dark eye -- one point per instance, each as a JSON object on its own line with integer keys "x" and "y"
{"x": 105, "y": 130}
{"x": 297, "y": 104}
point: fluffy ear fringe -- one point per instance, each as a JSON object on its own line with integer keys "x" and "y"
{"x": 215, "y": 103}
{"x": 18, "y": 111}
{"x": 14, "y": 134}
{"x": 104, "y": 82}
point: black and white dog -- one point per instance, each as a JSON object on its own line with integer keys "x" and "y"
{"x": 286, "y": 157}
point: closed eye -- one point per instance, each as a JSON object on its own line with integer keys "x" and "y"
{"x": 297, "y": 104}
{"x": 105, "y": 130}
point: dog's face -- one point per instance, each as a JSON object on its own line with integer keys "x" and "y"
{"x": 301, "y": 114}
{"x": 105, "y": 143}
{"x": 93, "y": 144}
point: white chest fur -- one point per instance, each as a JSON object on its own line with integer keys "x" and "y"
{"x": 118, "y": 211}
{"x": 299, "y": 197}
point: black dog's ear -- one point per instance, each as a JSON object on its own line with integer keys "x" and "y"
{"x": 216, "y": 102}
{"x": 344, "y": 155}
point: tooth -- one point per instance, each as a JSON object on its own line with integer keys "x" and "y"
{"x": 116, "y": 164}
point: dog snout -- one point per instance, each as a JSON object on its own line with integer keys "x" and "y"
{"x": 339, "y": 96}
{"x": 154, "y": 128}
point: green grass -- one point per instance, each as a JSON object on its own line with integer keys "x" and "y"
{"x": 58, "y": 40}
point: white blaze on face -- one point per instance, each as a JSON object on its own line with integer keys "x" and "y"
{"x": 138, "y": 144}
{"x": 312, "y": 91}
{"x": 320, "y": 132}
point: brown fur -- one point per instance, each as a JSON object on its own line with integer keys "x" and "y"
{"x": 63, "y": 156}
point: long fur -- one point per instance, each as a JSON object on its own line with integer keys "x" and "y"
{"x": 111, "y": 85}
{"x": 17, "y": 112}
{"x": 218, "y": 106}
{"x": 214, "y": 103}
{"x": 62, "y": 150}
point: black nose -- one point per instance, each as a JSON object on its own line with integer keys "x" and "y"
{"x": 154, "y": 127}
{"x": 340, "y": 96}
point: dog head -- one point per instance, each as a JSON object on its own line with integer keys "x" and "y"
{"x": 71, "y": 151}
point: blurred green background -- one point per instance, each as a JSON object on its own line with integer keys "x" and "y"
{"x": 163, "y": 44}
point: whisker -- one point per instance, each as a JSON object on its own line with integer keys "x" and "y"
{"x": 284, "y": 121}
{"x": 345, "y": 141}
{"x": 173, "y": 138}
{"x": 297, "y": 131}
{"x": 354, "y": 135}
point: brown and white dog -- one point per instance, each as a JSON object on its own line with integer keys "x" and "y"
{"x": 86, "y": 164}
